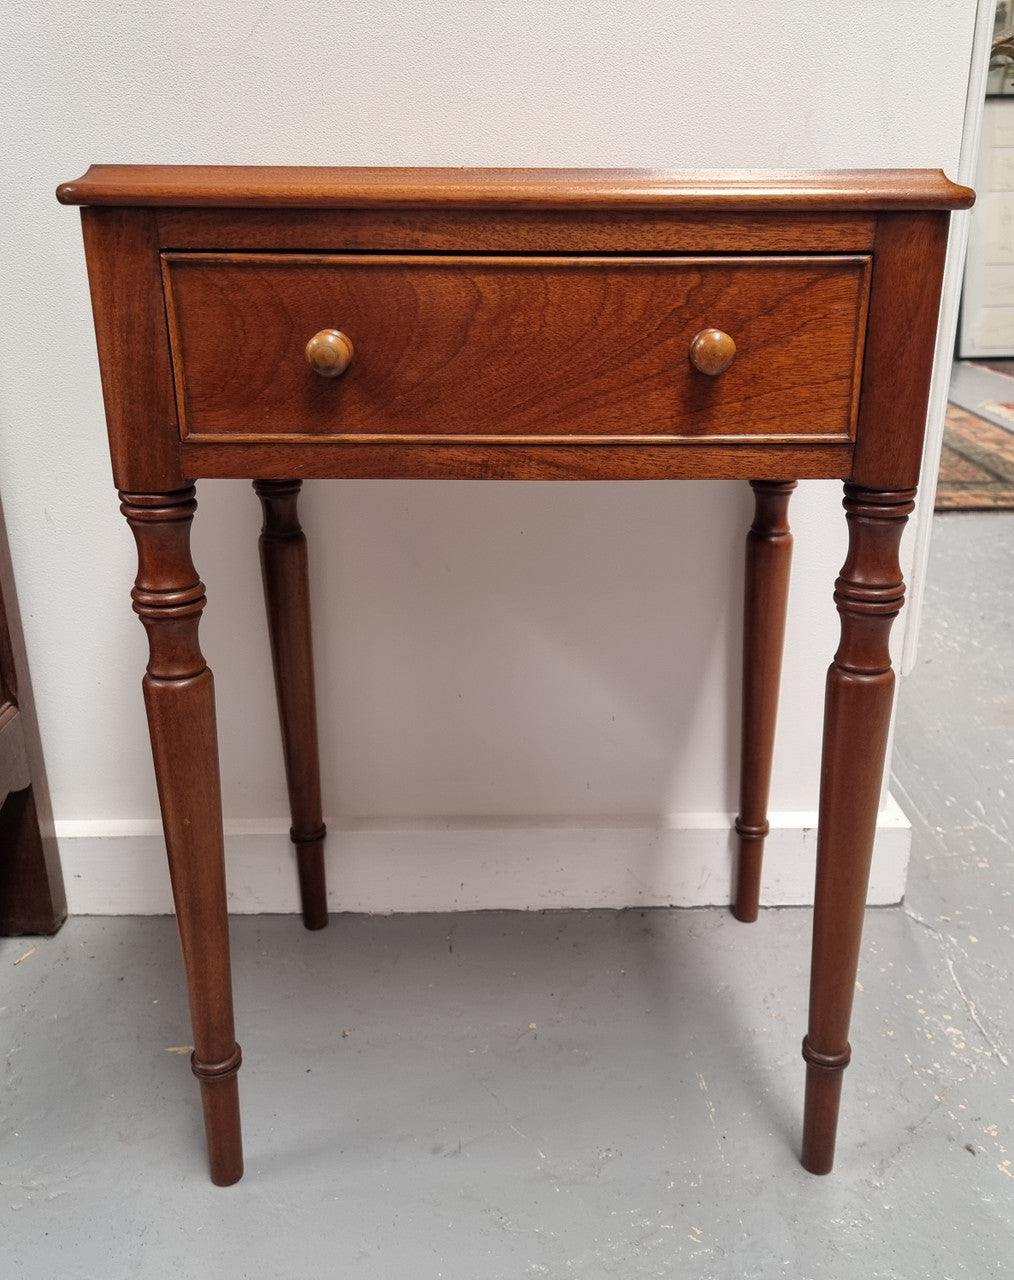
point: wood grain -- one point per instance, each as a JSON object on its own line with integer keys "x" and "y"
{"x": 765, "y": 601}
{"x": 133, "y": 343}
{"x": 869, "y": 593}
{"x": 179, "y": 697}
{"x": 564, "y": 348}
{"x": 514, "y": 324}
{"x": 285, "y": 575}
{"x": 901, "y": 344}
{"x": 273, "y": 186}
{"x": 563, "y": 230}
{"x": 465, "y": 459}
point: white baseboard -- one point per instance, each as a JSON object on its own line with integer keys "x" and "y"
{"x": 118, "y": 868}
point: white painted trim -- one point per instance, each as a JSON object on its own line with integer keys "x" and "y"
{"x": 118, "y": 867}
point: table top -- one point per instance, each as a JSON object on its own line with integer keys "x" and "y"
{"x": 514, "y": 323}
{"x": 260, "y": 186}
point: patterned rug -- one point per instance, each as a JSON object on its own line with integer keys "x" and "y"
{"x": 977, "y": 465}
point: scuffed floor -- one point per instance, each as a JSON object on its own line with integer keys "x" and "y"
{"x": 506, "y": 1095}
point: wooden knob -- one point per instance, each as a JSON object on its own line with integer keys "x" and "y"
{"x": 712, "y": 351}
{"x": 329, "y": 353}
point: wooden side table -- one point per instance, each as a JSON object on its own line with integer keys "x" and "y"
{"x": 276, "y": 323}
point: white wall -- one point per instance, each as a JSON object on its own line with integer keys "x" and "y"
{"x": 550, "y": 667}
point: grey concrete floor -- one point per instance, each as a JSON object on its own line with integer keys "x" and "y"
{"x": 598, "y": 1094}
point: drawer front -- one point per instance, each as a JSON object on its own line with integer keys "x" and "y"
{"x": 506, "y": 348}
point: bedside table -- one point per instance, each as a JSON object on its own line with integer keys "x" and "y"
{"x": 284, "y": 323}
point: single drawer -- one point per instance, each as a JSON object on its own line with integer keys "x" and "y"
{"x": 496, "y": 347}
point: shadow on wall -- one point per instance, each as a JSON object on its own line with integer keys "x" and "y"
{"x": 497, "y": 650}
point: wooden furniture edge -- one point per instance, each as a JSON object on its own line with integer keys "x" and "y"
{"x": 32, "y": 895}
{"x": 265, "y": 186}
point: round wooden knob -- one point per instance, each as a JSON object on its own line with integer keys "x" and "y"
{"x": 712, "y": 351}
{"x": 329, "y": 353}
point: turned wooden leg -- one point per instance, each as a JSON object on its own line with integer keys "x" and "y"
{"x": 180, "y": 700}
{"x": 869, "y": 593}
{"x": 287, "y": 597}
{"x": 765, "y": 598}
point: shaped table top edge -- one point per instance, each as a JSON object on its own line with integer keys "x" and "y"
{"x": 740, "y": 190}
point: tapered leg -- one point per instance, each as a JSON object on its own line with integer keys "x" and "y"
{"x": 869, "y": 593}
{"x": 287, "y": 598}
{"x": 766, "y": 594}
{"x": 180, "y": 700}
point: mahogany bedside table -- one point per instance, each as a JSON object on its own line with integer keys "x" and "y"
{"x": 278, "y": 324}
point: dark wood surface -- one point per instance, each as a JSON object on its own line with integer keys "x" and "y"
{"x": 474, "y": 230}
{"x": 179, "y": 697}
{"x": 281, "y": 186}
{"x": 32, "y": 898}
{"x": 125, "y": 278}
{"x": 285, "y": 574}
{"x": 564, "y": 348}
{"x": 528, "y": 325}
{"x": 466, "y": 459}
{"x": 765, "y": 601}
{"x": 904, "y": 304}
{"x": 857, "y": 714}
